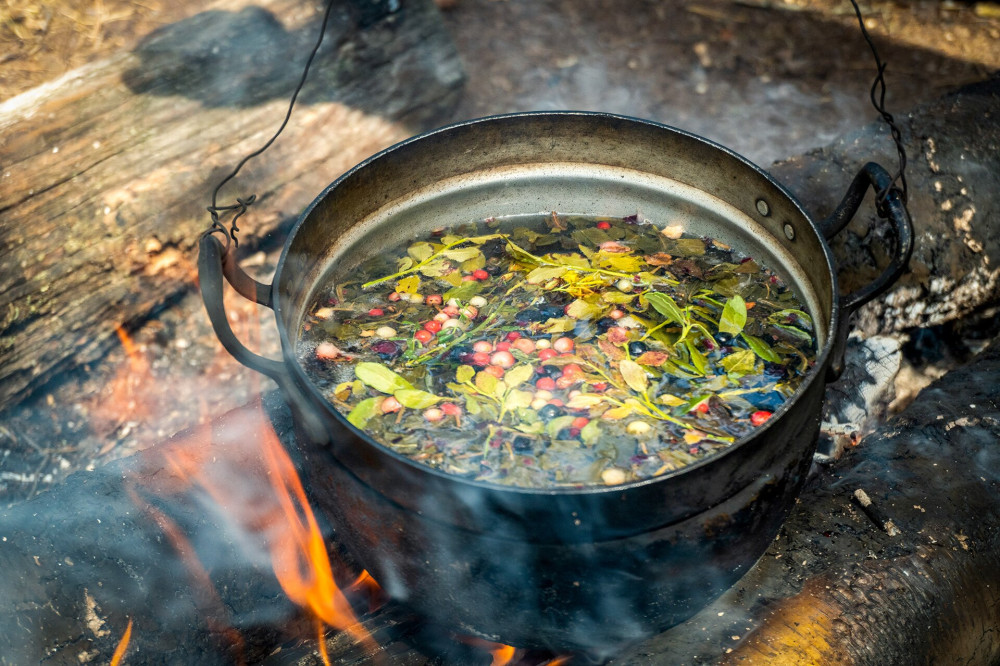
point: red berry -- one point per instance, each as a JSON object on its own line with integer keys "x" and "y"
{"x": 603, "y": 225}
{"x": 432, "y": 326}
{"x": 482, "y": 346}
{"x": 513, "y": 335}
{"x": 572, "y": 370}
{"x": 557, "y": 402}
{"x": 480, "y": 359}
{"x": 702, "y": 408}
{"x": 376, "y": 312}
{"x": 434, "y": 299}
{"x": 394, "y": 296}
{"x": 579, "y": 422}
{"x": 759, "y": 417}
{"x": 423, "y": 336}
{"x": 495, "y": 370}
{"x": 599, "y": 386}
{"x": 545, "y": 384}
{"x": 503, "y": 358}
{"x": 468, "y": 278}
{"x": 390, "y": 405}
{"x": 574, "y": 432}
{"x": 563, "y": 345}
{"x": 565, "y": 382}
{"x": 524, "y": 345}
{"x": 450, "y": 408}
{"x": 480, "y": 274}
{"x": 546, "y": 354}
{"x": 503, "y": 346}
{"x": 450, "y": 310}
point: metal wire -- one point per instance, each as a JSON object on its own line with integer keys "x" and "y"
{"x": 877, "y": 95}
{"x": 242, "y": 204}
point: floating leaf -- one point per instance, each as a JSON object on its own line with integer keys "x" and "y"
{"x": 404, "y": 264}
{"x": 363, "y": 412}
{"x": 560, "y": 325}
{"x": 545, "y": 273}
{"x": 472, "y": 405}
{"x": 436, "y": 268}
{"x": 518, "y": 375}
{"x": 760, "y": 348}
{"x": 461, "y": 254}
{"x": 486, "y": 383}
{"x": 634, "y": 375}
{"x": 739, "y": 363}
{"x": 421, "y": 251}
{"x": 624, "y": 263}
{"x": 517, "y": 399}
{"x": 454, "y": 279}
{"x": 617, "y": 297}
{"x": 690, "y": 247}
{"x": 659, "y": 259}
{"x": 698, "y": 359}
{"x": 380, "y": 378}
{"x": 670, "y": 400}
{"x": 666, "y": 306}
{"x": 590, "y": 433}
{"x": 416, "y": 399}
{"x": 654, "y": 358}
{"x": 793, "y": 332}
{"x": 408, "y": 285}
{"x": 616, "y": 413}
{"x": 581, "y": 309}
{"x": 464, "y": 373}
{"x": 799, "y": 317}
{"x": 734, "y": 316}
{"x": 585, "y": 401}
{"x": 474, "y": 264}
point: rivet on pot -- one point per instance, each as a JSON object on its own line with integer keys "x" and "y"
{"x": 789, "y": 231}
{"x": 763, "y": 208}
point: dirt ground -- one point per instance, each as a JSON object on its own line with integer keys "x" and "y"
{"x": 769, "y": 79}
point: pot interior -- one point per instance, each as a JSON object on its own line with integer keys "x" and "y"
{"x": 571, "y": 163}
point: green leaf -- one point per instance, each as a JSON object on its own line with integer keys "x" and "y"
{"x": 698, "y": 359}
{"x": 617, "y": 297}
{"x": 734, "y": 316}
{"x": 461, "y": 254}
{"x": 739, "y": 363}
{"x": 560, "y": 325}
{"x": 666, "y": 306}
{"x": 634, "y": 375}
{"x": 408, "y": 285}
{"x": 464, "y": 373}
{"x": 585, "y": 401}
{"x": 590, "y": 433}
{"x": 416, "y": 399}
{"x": 581, "y": 309}
{"x": 545, "y": 273}
{"x": 436, "y": 268}
{"x": 486, "y": 383}
{"x": 518, "y": 375}
{"x": 760, "y": 348}
{"x": 380, "y": 378}
{"x": 516, "y": 399}
{"x": 421, "y": 251}
{"x": 464, "y": 291}
{"x": 798, "y": 316}
{"x": 472, "y": 405}
{"x": 795, "y": 332}
{"x": 363, "y": 412}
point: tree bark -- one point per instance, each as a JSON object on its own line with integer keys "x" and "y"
{"x": 105, "y": 173}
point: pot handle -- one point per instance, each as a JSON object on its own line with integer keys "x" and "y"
{"x": 214, "y": 262}
{"x": 891, "y": 207}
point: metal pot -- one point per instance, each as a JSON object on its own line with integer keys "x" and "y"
{"x": 562, "y": 569}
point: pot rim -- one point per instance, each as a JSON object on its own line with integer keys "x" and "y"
{"x": 814, "y": 374}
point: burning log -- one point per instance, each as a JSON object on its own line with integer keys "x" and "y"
{"x": 954, "y": 174}
{"x": 107, "y": 171}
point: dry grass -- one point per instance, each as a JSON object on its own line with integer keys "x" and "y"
{"x": 41, "y": 40}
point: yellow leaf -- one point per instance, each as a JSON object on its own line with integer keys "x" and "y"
{"x": 634, "y": 375}
{"x": 408, "y": 285}
{"x": 519, "y": 375}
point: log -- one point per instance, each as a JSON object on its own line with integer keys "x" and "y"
{"x": 953, "y": 171}
{"x": 106, "y": 171}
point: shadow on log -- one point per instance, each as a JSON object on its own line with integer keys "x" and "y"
{"x": 107, "y": 171}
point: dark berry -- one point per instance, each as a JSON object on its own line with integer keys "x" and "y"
{"x": 549, "y": 412}
{"x": 521, "y": 444}
{"x": 723, "y": 338}
{"x": 637, "y": 348}
{"x": 604, "y": 324}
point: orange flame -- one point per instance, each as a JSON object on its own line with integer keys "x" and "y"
{"x": 502, "y": 654}
{"x": 116, "y": 658}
